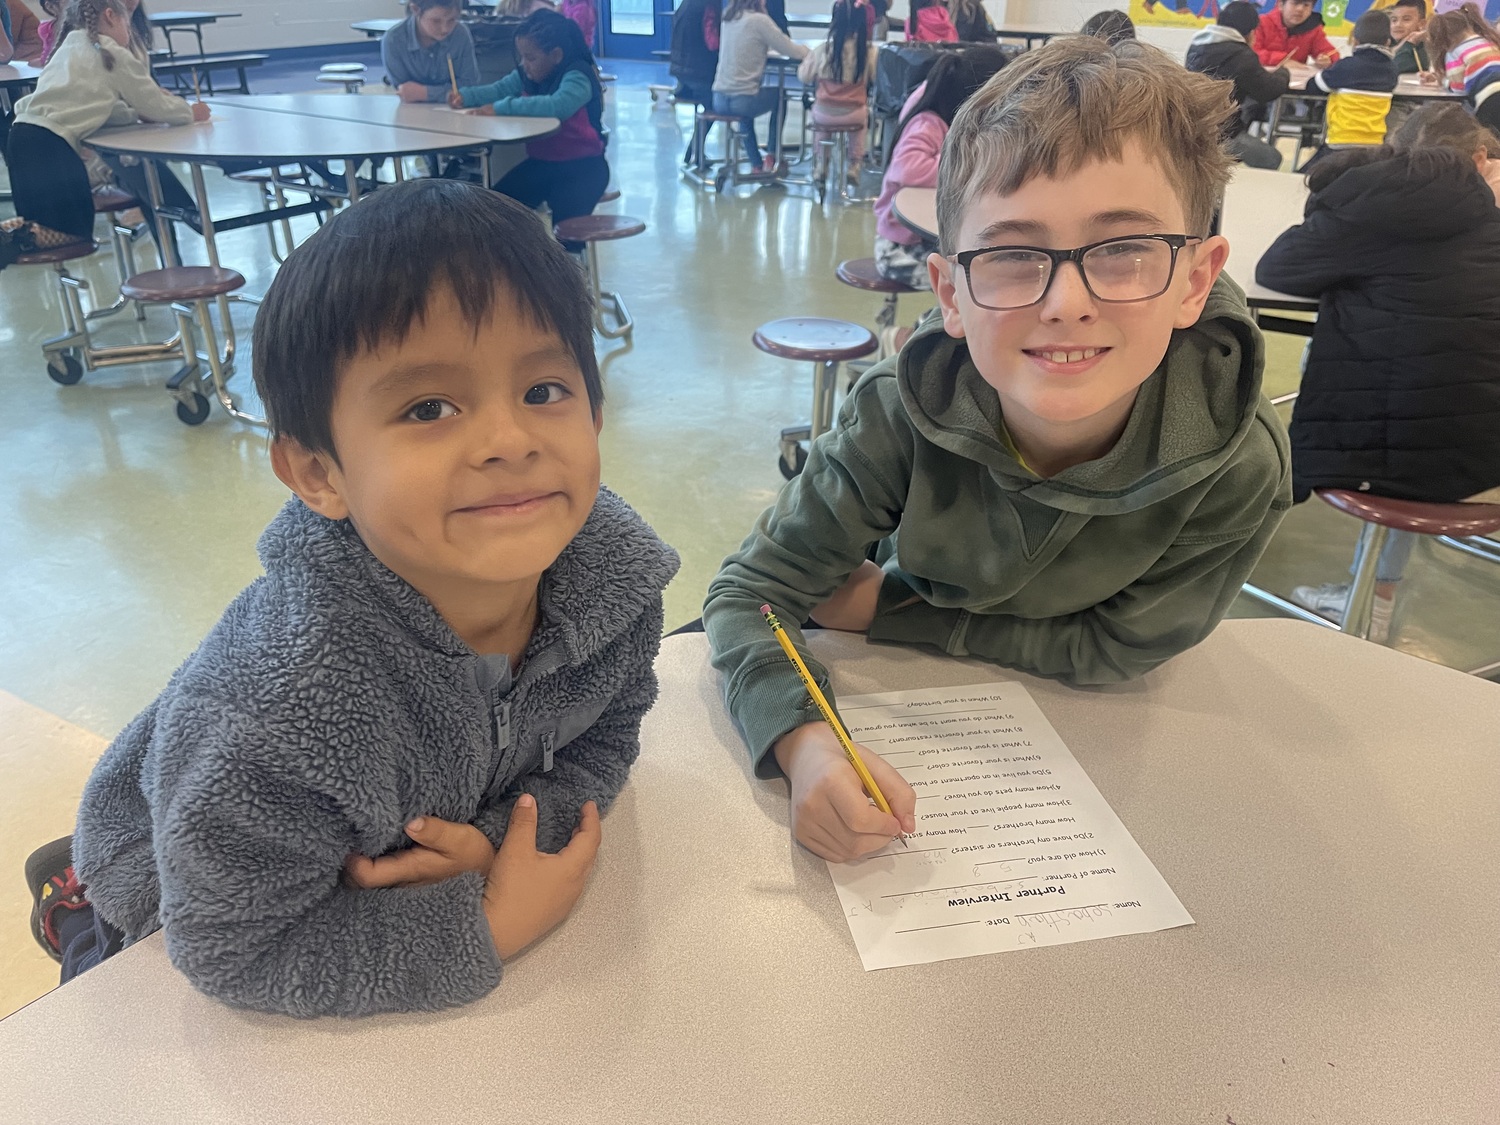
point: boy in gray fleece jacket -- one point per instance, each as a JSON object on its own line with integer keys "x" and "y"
{"x": 380, "y": 775}
{"x": 1072, "y": 471}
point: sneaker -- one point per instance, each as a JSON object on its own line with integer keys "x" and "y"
{"x": 54, "y": 887}
{"x": 1328, "y": 600}
{"x": 768, "y": 165}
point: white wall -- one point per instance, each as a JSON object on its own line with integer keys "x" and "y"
{"x": 1068, "y": 15}
{"x": 277, "y": 23}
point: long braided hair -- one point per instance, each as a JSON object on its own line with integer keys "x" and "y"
{"x": 84, "y": 15}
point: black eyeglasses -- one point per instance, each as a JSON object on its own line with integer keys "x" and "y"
{"x": 1135, "y": 267}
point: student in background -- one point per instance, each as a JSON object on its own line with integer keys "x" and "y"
{"x": 1111, "y": 25}
{"x": 1226, "y": 50}
{"x": 1359, "y": 87}
{"x": 1293, "y": 32}
{"x": 93, "y": 80}
{"x": 900, "y": 253}
{"x": 1468, "y": 49}
{"x": 971, "y": 22}
{"x": 380, "y": 775}
{"x": 47, "y": 29}
{"x": 841, "y": 69}
{"x": 417, "y": 51}
{"x": 927, "y": 21}
{"x": 556, "y": 77}
{"x": 1408, "y": 32}
{"x": 520, "y": 9}
{"x": 1071, "y": 471}
{"x": 583, "y": 14}
{"x": 1447, "y": 125}
{"x": 1402, "y": 385}
{"x": 25, "y": 33}
{"x": 746, "y": 36}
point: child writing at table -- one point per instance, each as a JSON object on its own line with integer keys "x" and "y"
{"x": 1408, "y": 32}
{"x": 1071, "y": 470}
{"x": 1293, "y": 32}
{"x": 556, "y": 76}
{"x": 93, "y": 80}
{"x": 840, "y": 70}
{"x": 1468, "y": 49}
{"x": 1359, "y": 87}
{"x": 380, "y": 776}
{"x": 417, "y": 52}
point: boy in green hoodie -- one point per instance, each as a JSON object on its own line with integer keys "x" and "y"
{"x": 1071, "y": 471}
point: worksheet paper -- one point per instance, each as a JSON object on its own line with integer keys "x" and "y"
{"x": 1014, "y": 846}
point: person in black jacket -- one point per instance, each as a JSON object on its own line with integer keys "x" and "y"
{"x": 1401, "y": 395}
{"x": 1226, "y": 50}
{"x": 694, "y": 59}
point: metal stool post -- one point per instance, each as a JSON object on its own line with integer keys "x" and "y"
{"x": 1361, "y": 605}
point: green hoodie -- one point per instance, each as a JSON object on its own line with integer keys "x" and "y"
{"x": 1095, "y": 575}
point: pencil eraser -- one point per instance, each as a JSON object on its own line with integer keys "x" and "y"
{"x": 765, "y": 609}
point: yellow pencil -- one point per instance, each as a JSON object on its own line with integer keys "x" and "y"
{"x": 197, "y": 93}
{"x": 828, "y": 713}
{"x": 452, "y": 77}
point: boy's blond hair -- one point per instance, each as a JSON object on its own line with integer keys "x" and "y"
{"x": 1080, "y": 99}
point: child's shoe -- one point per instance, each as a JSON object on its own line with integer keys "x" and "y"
{"x": 54, "y": 887}
{"x": 768, "y": 165}
{"x": 1328, "y": 600}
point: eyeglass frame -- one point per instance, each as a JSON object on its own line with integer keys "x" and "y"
{"x": 1175, "y": 241}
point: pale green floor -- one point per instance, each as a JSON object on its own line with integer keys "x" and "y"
{"x": 123, "y": 533}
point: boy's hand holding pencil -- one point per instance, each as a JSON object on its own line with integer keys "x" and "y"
{"x": 831, "y": 814}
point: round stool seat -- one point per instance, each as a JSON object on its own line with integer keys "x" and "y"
{"x": 599, "y": 228}
{"x": 814, "y": 337}
{"x": 342, "y": 68}
{"x": 181, "y": 283}
{"x": 1412, "y": 515}
{"x": 113, "y": 199}
{"x": 610, "y": 196}
{"x": 349, "y": 81}
{"x": 704, "y": 115}
{"x": 64, "y": 253}
{"x": 862, "y": 274}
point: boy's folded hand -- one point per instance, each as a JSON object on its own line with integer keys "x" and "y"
{"x": 852, "y": 606}
{"x": 443, "y": 849}
{"x": 529, "y": 892}
{"x": 831, "y": 814}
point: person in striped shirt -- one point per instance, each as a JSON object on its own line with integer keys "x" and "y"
{"x": 1469, "y": 50}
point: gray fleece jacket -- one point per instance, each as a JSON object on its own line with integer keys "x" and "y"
{"x": 329, "y": 706}
{"x": 1095, "y": 575}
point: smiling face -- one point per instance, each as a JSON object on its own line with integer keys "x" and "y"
{"x": 1405, "y": 22}
{"x": 467, "y": 460}
{"x": 1067, "y": 368}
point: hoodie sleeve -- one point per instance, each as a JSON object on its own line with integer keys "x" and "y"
{"x": 819, "y": 530}
{"x": 1170, "y": 608}
{"x": 1310, "y": 258}
{"x": 1255, "y": 82}
{"x": 250, "y": 855}
{"x": 133, "y": 82}
{"x": 595, "y": 765}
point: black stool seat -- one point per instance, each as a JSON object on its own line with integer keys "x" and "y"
{"x": 64, "y": 253}
{"x": 182, "y": 283}
{"x": 599, "y": 228}
{"x": 113, "y": 199}
{"x": 862, "y": 274}
{"x": 816, "y": 338}
{"x": 1460, "y": 520}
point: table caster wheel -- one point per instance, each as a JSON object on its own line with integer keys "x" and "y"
{"x": 193, "y": 413}
{"x": 792, "y": 468}
{"x": 64, "y": 368}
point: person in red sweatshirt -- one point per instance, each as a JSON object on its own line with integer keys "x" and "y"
{"x": 1293, "y": 32}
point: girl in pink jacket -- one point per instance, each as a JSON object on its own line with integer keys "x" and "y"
{"x": 901, "y": 253}
{"x": 927, "y": 21}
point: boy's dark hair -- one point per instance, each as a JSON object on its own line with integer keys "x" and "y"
{"x": 1241, "y": 16}
{"x": 425, "y": 5}
{"x": 364, "y": 277}
{"x": 1373, "y": 29}
{"x": 1111, "y": 25}
{"x": 1419, "y": 5}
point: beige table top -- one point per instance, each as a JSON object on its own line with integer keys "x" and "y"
{"x": 1407, "y": 85}
{"x": 237, "y": 132}
{"x": 1324, "y": 807}
{"x": 18, "y": 74}
{"x": 390, "y": 110}
{"x": 1258, "y": 205}
{"x": 917, "y": 208}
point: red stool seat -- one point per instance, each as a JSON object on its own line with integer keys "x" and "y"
{"x": 816, "y": 338}
{"x": 1460, "y": 520}
{"x": 821, "y": 128}
{"x": 64, "y": 253}
{"x": 862, "y": 274}
{"x": 610, "y": 196}
{"x": 113, "y": 199}
{"x": 599, "y": 228}
{"x": 182, "y": 283}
